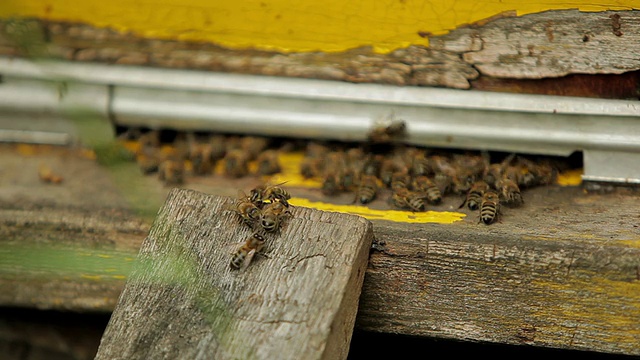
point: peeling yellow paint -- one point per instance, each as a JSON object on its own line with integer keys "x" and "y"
{"x": 593, "y": 310}
{"x": 91, "y": 277}
{"x": 291, "y": 26}
{"x": 441, "y": 217}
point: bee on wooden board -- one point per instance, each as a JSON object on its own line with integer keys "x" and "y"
{"x": 49, "y": 176}
{"x": 268, "y": 162}
{"x": 202, "y": 158}
{"x": 241, "y": 259}
{"x": 171, "y": 171}
{"x": 273, "y": 215}
{"x": 509, "y": 192}
{"x": 405, "y": 198}
{"x": 388, "y": 167}
{"x": 423, "y": 184}
{"x": 473, "y": 200}
{"x": 489, "y": 207}
{"x": 367, "y": 189}
{"x": 248, "y": 211}
{"x": 270, "y": 192}
{"x": 311, "y": 167}
{"x": 400, "y": 180}
{"x": 330, "y": 183}
{"x": 236, "y": 163}
{"x": 148, "y": 159}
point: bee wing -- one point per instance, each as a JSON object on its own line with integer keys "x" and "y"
{"x": 247, "y": 260}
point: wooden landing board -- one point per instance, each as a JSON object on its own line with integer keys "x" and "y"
{"x": 183, "y": 301}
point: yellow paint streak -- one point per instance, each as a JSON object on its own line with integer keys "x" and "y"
{"x": 586, "y": 298}
{"x": 287, "y": 25}
{"x": 440, "y": 217}
{"x": 570, "y": 177}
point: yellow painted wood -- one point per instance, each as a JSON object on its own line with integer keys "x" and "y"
{"x": 289, "y": 25}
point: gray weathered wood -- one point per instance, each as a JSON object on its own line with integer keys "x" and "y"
{"x": 183, "y": 301}
{"x": 553, "y": 43}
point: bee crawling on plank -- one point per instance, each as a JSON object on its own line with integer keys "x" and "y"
{"x": 242, "y": 257}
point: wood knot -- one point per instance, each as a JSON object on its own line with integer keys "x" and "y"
{"x": 615, "y": 24}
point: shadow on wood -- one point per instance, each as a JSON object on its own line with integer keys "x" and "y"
{"x": 184, "y": 301}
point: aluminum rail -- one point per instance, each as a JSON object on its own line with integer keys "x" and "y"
{"x": 607, "y": 131}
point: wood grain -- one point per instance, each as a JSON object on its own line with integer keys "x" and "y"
{"x": 183, "y": 301}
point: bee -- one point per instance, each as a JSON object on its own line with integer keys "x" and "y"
{"x": 494, "y": 172}
{"x": 47, "y": 175}
{"x": 148, "y": 159}
{"x": 509, "y": 192}
{"x": 489, "y": 207}
{"x": 271, "y": 193}
{"x": 311, "y": 167}
{"x": 253, "y": 146}
{"x": 372, "y": 165}
{"x": 474, "y": 197}
{"x": 400, "y": 180}
{"x": 388, "y": 167}
{"x": 367, "y": 189}
{"x": 387, "y": 133}
{"x": 236, "y": 163}
{"x": 272, "y": 216}
{"x": 268, "y": 163}
{"x": 243, "y": 256}
{"x": 171, "y": 171}
{"x": 420, "y": 165}
{"x": 425, "y": 185}
{"x": 330, "y": 183}
{"x": 405, "y": 198}
{"x": 316, "y": 150}
{"x": 248, "y": 211}
{"x": 202, "y": 158}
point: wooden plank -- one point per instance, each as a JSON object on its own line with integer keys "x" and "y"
{"x": 563, "y": 271}
{"x": 183, "y": 301}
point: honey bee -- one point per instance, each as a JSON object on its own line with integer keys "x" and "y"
{"x": 272, "y": 193}
{"x": 171, "y": 171}
{"x": 425, "y": 185}
{"x": 400, "y": 180}
{"x": 202, "y": 158}
{"x": 316, "y": 150}
{"x": 387, "y": 133}
{"x": 272, "y": 216}
{"x": 420, "y": 165}
{"x": 489, "y": 207}
{"x": 148, "y": 159}
{"x": 405, "y": 198}
{"x": 509, "y": 192}
{"x": 367, "y": 189}
{"x": 248, "y": 211}
{"x": 268, "y": 163}
{"x": 494, "y": 172}
{"x": 253, "y": 145}
{"x": 311, "y": 167}
{"x": 474, "y": 197}
{"x": 330, "y": 183}
{"x": 388, "y": 167}
{"x": 243, "y": 256}
{"x": 372, "y": 165}
{"x": 236, "y": 163}
{"x": 47, "y": 175}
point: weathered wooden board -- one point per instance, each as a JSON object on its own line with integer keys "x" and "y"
{"x": 563, "y": 273}
{"x": 560, "y": 272}
{"x": 183, "y": 301}
{"x": 549, "y": 44}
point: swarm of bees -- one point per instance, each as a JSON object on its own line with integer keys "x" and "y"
{"x": 409, "y": 177}
{"x": 264, "y": 210}
{"x": 417, "y": 178}
{"x": 195, "y": 155}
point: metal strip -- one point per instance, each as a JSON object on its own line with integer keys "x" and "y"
{"x": 276, "y": 106}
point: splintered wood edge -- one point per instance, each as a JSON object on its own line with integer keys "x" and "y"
{"x": 183, "y": 300}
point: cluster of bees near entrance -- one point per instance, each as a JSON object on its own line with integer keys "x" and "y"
{"x": 409, "y": 177}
